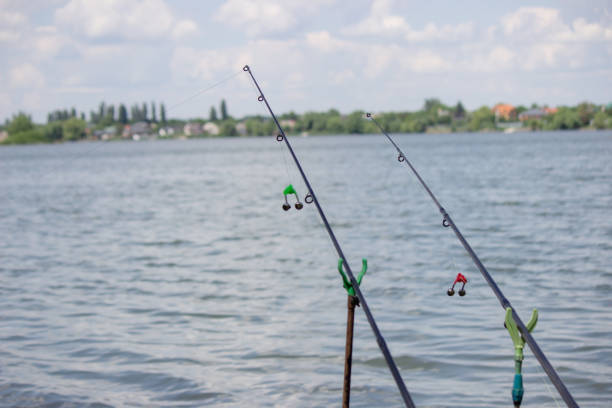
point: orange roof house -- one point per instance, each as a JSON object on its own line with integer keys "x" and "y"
{"x": 505, "y": 111}
{"x": 550, "y": 111}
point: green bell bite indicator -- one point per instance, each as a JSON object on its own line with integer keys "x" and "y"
{"x": 290, "y": 190}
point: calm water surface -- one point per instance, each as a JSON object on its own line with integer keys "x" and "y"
{"x": 165, "y": 274}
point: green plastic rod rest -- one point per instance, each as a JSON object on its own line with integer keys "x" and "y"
{"x": 519, "y": 344}
{"x": 345, "y": 282}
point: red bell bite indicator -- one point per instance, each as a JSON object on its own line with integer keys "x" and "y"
{"x": 459, "y": 278}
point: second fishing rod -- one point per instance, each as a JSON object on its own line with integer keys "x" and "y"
{"x": 447, "y": 221}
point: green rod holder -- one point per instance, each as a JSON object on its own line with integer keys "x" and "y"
{"x": 346, "y": 282}
{"x": 519, "y": 345}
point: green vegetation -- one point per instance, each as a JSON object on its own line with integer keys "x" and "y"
{"x": 22, "y": 130}
{"x": 434, "y": 117}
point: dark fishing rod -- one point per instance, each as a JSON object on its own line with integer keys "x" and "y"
{"x": 379, "y": 338}
{"x": 447, "y": 221}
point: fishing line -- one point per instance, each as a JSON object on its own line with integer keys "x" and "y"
{"x": 547, "y": 385}
{"x": 292, "y": 174}
{"x": 96, "y": 146}
{"x": 283, "y": 149}
{"x": 505, "y": 303}
{"x": 203, "y": 90}
{"x": 379, "y": 338}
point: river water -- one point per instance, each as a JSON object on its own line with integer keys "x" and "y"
{"x": 165, "y": 274}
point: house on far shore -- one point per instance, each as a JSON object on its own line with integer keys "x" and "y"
{"x": 137, "y": 131}
{"x": 241, "y": 128}
{"x": 105, "y": 134}
{"x": 536, "y": 113}
{"x": 211, "y": 129}
{"x": 504, "y": 111}
{"x": 192, "y": 129}
{"x": 288, "y": 123}
{"x": 165, "y": 131}
{"x": 550, "y": 111}
{"x": 3, "y": 135}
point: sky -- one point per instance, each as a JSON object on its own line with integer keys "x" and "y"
{"x": 380, "y": 55}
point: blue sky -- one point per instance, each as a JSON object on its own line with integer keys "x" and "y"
{"x": 376, "y": 55}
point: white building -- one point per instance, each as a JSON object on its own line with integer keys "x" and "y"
{"x": 211, "y": 128}
{"x": 192, "y": 129}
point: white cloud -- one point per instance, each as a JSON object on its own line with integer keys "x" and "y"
{"x": 585, "y": 31}
{"x": 342, "y": 77}
{"x": 267, "y": 16}
{"x": 323, "y": 41}
{"x": 48, "y": 41}
{"x": 26, "y": 76}
{"x": 134, "y": 19}
{"x": 531, "y": 21}
{"x": 447, "y": 32}
{"x": 12, "y": 18}
{"x": 546, "y": 24}
{"x": 200, "y": 65}
{"x": 496, "y": 58}
{"x": 11, "y": 23}
{"x": 191, "y": 64}
{"x": 425, "y": 61}
{"x": 381, "y": 22}
{"x": 541, "y": 39}
{"x": 258, "y": 17}
{"x": 184, "y": 28}
{"x": 9, "y": 36}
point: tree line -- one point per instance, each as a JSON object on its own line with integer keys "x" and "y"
{"x": 434, "y": 116}
{"x": 107, "y": 115}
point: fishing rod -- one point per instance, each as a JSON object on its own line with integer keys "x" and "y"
{"x": 354, "y": 282}
{"x": 447, "y": 221}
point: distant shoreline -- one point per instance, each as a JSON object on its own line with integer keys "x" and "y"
{"x": 433, "y": 133}
{"x": 433, "y": 118}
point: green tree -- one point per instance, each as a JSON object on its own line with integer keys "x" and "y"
{"x": 136, "y": 113}
{"x": 53, "y": 132}
{"x": 228, "y": 128}
{"x": 101, "y": 111}
{"x": 110, "y": 113}
{"x": 123, "y": 115}
{"x": 223, "y": 110}
{"x": 354, "y": 123}
{"x": 565, "y": 118}
{"x": 585, "y": 112}
{"x": 334, "y": 125}
{"x": 482, "y": 118}
{"x": 34, "y": 135}
{"x": 534, "y": 124}
{"x": 459, "y": 110}
{"x": 153, "y": 113}
{"x": 431, "y": 104}
{"x": 20, "y": 123}
{"x": 599, "y": 120}
{"x": 213, "y": 114}
{"x": 162, "y": 114}
{"x": 74, "y": 129}
{"x": 145, "y": 115}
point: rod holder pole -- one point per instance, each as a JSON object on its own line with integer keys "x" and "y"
{"x": 348, "y": 353}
